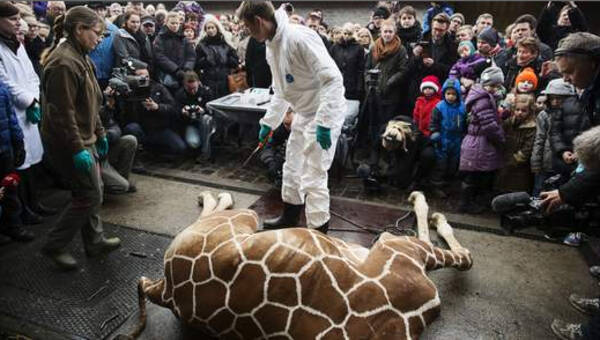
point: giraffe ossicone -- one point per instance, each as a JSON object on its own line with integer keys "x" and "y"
{"x": 231, "y": 282}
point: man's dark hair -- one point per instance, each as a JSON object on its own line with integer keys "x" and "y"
{"x": 249, "y": 9}
{"x": 527, "y": 18}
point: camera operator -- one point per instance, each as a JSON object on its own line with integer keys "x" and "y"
{"x": 198, "y": 125}
{"x": 116, "y": 166}
{"x": 582, "y": 188}
{"x": 578, "y": 60}
{"x": 584, "y": 185}
{"x": 151, "y": 119}
{"x": 390, "y": 57}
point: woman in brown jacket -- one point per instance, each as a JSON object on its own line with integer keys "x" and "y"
{"x": 519, "y": 131}
{"x": 72, "y": 133}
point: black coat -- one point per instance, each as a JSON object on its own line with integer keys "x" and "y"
{"x": 567, "y": 123}
{"x": 444, "y": 55}
{"x": 550, "y": 33}
{"x": 409, "y": 36}
{"x": 173, "y": 52}
{"x": 258, "y": 72}
{"x": 151, "y": 121}
{"x": 183, "y": 98}
{"x": 215, "y": 60}
{"x": 349, "y": 56}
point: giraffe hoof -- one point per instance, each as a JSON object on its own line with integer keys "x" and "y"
{"x": 226, "y": 199}
{"x": 201, "y": 197}
{"x": 414, "y": 195}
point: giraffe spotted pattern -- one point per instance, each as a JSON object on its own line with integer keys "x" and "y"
{"x": 233, "y": 283}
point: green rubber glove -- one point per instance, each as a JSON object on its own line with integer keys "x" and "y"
{"x": 83, "y": 161}
{"x": 324, "y": 137}
{"x": 33, "y": 113}
{"x": 263, "y": 133}
{"x": 102, "y": 146}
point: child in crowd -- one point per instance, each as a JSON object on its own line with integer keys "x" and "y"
{"x": 480, "y": 151}
{"x": 465, "y": 33}
{"x": 430, "y": 90}
{"x": 541, "y": 157}
{"x": 12, "y": 155}
{"x": 448, "y": 126}
{"x": 526, "y": 82}
{"x": 520, "y": 131}
{"x": 540, "y": 103}
{"x": 465, "y": 69}
{"x": 408, "y": 28}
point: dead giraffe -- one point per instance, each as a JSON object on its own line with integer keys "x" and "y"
{"x": 231, "y": 282}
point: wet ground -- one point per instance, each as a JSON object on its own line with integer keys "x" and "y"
{"x": 514, "y": 290}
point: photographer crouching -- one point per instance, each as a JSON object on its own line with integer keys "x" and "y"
{"x": 116, "y": 165}
{"x": 147, "y": 110}
{"x": 199, "y": 126}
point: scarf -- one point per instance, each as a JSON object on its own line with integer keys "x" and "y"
{"x": 382, "y": 51}
{"x": 12, "y": 42}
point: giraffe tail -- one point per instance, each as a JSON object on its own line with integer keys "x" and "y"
{"x": 145, "y": 288}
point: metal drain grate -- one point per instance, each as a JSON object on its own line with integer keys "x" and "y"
{"x": 91, "y": 302}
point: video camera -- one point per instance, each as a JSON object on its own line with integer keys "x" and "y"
{"x": 373, "y": 78}
{"x": 519, "y": 210}
{"x": 126, "y": 84}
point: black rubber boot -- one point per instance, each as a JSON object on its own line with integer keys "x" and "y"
{"x": 466, "y": 198}
{"x": 324, "y": 228}
{"x": 289, "y": 218}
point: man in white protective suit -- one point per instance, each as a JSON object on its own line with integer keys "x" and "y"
{"x": 306, "y": 79}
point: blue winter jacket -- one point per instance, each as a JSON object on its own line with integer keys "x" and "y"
{"x": 9, "y": 126}
{"x": 449, "y": 121}
{"x": 432, "y": 11}
{"x": 102, "y": 55}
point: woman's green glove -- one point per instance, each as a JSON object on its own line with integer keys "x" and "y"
{"x": 102, "y": 146}
{"x": 324, "y": 137}
{"x": 263, "y": 133}
{"x": 33, "y": 113}
{"x": 83, "y": 161}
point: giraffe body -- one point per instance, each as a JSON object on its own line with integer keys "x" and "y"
{"x": 231, "y": 282}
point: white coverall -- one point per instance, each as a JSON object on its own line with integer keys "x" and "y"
{"x": 306, "y": 79}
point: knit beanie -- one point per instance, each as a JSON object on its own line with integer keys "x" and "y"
{"x": 431, "y": 82}
{"x": 559, "y": 87}
{"x": 490, "y": 36}
{"x": 492, "y": 76}
{"x": 527, "y": 75}
{"x": 7, "y": 9}
{"x": 469, "y": 44}
{"x": 458, "y": 15}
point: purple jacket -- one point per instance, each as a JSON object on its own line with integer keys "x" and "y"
{"x": 467, "y": 67}
{"x": 481, "y": 148}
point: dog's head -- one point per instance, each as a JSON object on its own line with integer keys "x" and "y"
{"x": 396, "y": 134}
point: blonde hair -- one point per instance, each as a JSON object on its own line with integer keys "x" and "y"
{"x": 211, "y": 19}
{"x": 526, "y": 100}
{"x": 170, "y": 15}
{"x": 365, "y": 30}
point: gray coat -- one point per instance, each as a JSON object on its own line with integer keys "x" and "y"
{"x": 541, "y": 156}
{"x": 125, "y": 46}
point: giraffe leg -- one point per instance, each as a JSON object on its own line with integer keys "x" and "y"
{"x": 444, "y": 229}
{"x": 225, "y": 201}
{"x": 208, "y": 202}
{"x": 417, "y": 199}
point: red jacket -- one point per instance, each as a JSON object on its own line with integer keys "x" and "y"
{"x": 422, "y": 112}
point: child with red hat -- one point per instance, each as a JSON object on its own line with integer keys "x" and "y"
{"x": 430, "y": 90}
